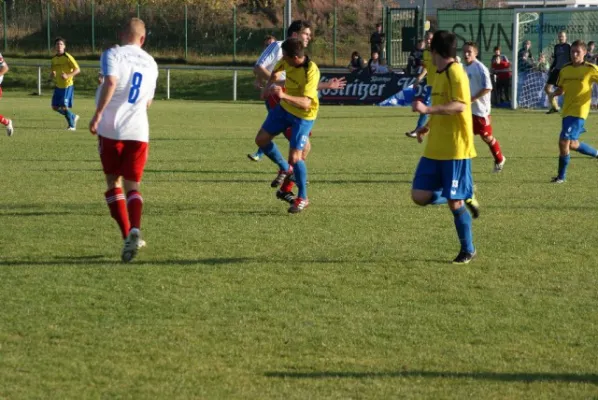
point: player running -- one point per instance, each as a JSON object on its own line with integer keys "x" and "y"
{"x": 575, "y": 82}
{"x": 298, "y": 109}
{"x": 443, "y": 174}
{"x": 64, "y": 69}
{"x": 122, "y": 126}
{"x": 3, "y": 120}
{"x": 481, "y": 85}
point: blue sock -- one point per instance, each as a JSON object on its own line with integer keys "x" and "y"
{"x": 259, "y": 153}
{"x": 271, "y": 151}
{"x": 587, "y": 150}
{"x": 563, "y": 164}
{"x": 422, "y": 120}
{"x": 437, "y": 198}
{"x": 61, "y": 111}
{"x": 70, "y": 118}
{"x": 300, "y": 171}
{"x": 463, "y": 225}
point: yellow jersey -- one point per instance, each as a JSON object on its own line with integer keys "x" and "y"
{"x": 576, "y": 82}
{"x": 430, "y": 67}
{"x": 451, "y": 136}
{"x": 301, "y": 81}
{"x": 63, "y": 63}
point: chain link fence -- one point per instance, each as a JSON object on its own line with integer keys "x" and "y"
{"x": 186, "y": 32}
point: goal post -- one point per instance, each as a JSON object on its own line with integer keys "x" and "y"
{"x": 541, "y": 26}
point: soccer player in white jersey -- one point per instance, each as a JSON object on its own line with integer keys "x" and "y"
{"x": 480, "y": 86}
{"x": 3, "y": 120}
{"x": 122, "y": 126}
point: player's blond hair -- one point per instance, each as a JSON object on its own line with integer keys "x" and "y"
{"x": 134, "y": 28}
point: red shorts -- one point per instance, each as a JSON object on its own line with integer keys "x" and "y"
{"x": 124, "y": 158}
{"x": 482, "y": 126}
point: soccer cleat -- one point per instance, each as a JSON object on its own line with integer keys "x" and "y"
{"x": 9, "y": 129}
{"x": 499, "y": 166}
{"x": 280, "y": 177}
{"x": 411, "y": 134}
{"x": 552, "y": 110}
{"x": 132, "y": 244}
{"x": 465, "y": 257}
{"x": 141, "y": 244}
{"x": 298, "y": 205}
{"x": 71, "y": 128}
{"x": 254, "y": 157}
{"x": 556, "y": 179}
{"x": 289, "y": 197}
{"x": 473, "y": 206}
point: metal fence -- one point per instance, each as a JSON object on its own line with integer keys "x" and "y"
{"x": 181, "y": 31}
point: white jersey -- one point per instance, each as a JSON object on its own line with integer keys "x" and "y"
{"x": 479, "y": 78}
{"x": 125, "y": 116}
{"x": 1, "y": 65}
{"x": 271, "y": 56}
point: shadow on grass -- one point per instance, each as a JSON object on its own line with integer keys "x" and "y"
{"x": 492, "y": 376}
{"x": 100, "y": 260}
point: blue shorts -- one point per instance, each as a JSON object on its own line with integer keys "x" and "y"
{"x": 279, "y": 119}
{"x": 453, "y": 177}
{"x": 572, "y": 129}
{"x": 63, "y": 97}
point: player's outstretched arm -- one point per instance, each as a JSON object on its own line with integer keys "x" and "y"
{"x": 334, "y": 83}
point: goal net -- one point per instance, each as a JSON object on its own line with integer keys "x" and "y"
{"x": 541, "y": 27}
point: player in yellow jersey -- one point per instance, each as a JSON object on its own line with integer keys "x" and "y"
{"x": 64, "y": 68}
{"x": 575, "y": 82}
{"x": 298, "y": 109}
{"x": 428, "y": 73}
{"x": 443, "y": 174}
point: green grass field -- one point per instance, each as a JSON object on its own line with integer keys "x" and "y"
{"x": 234, "y": 298}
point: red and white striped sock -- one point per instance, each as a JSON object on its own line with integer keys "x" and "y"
{"x": 118, "y": 209}
{"x": 3, "y": 120}
{"x": 135, "y": 206}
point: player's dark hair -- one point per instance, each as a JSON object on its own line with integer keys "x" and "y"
{"x": 497, "y": 48}
{"x": 471, "y": 44}
{"x": 269, "y": 37}
{"x": 293, "y": 47}
{"x": 580, "y": 43}
{"x": 60, "y": 39}
{"x": 297, "y": 26}
{"x": 355, "y": 54}
{"x": 444, "y": 43}
{"x": 591, "y": 42}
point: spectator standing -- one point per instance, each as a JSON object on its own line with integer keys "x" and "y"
{"x": 501, "y": 67}
{"x": 377, "y": 40}
{"x": 525, "y": 59}
{"x": 415, "y": 60}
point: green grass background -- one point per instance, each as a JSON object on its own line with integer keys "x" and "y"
{"x": 234, "y": 298}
